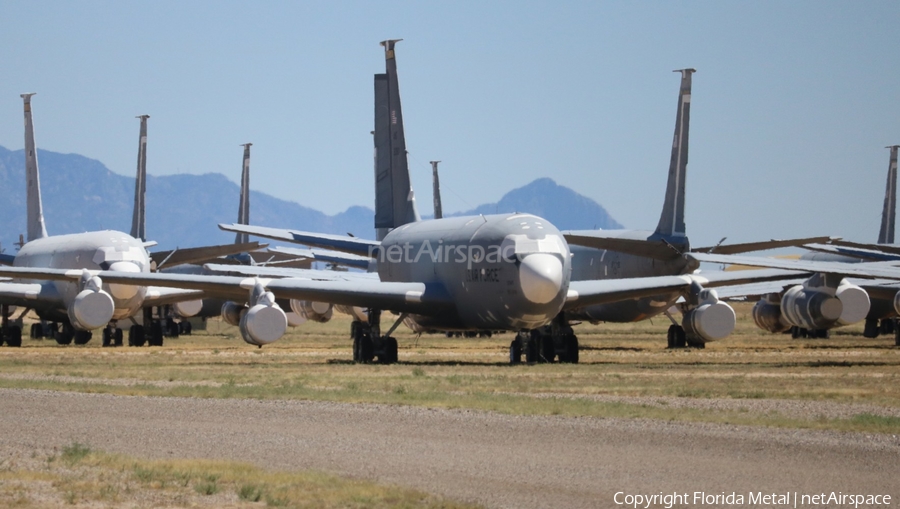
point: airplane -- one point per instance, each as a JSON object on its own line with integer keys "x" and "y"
{"x": 87, "y": 302}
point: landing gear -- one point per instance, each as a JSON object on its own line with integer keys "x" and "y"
{"x": 368, "y": 343}
{"x": 871, "y": 329}
{"x": 65, "y": 334}
{"x": 136, "y": 336}
{"x": 676, "y": 337}
{"x": 82, "y": 337}
{"x": 547, "y": 343}
{"x": 11, "y": 334}
{"x": 887, "y": 326}
{"x": 172, "y": 328}
{"x": 897, "y": 336}
{"x": 112, "y": 336}
{"x": 516, "y": 347}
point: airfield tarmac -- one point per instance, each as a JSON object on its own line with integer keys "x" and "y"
{"x": 756, "y": 413}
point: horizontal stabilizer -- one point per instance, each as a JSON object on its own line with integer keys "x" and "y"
{"x": 198, "y": 255}
{"x": 340, "y": 243}
{"x": 764, "y": 245}
{"x": 608, "y": 240}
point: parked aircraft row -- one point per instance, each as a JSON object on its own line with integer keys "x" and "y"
{"x": 505, "y": 272}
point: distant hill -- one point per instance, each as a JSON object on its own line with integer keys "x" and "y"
{"x": 81, "y": 194}
{"x": 560, "y": 205}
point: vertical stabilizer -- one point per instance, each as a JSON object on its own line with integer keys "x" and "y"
{"x": 139, "y": 218}
{"x": 436, "y": 190}
{"x": 244, "y": 206}
{"x": 36, "y": 228}
{"x": 395, "y": 203}
{"x": 671, "y": 221}
{"x": 888, "y": 214}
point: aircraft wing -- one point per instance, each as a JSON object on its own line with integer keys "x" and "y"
{"x": 872, "y": 270}
{"x": 27, "y": 294}
{"x": 885, "y": 248}
{"x": 612, "y": 241}
{"x": 602, "y": 291}
{"x": 862, "y": 254}
{"x": 760, "y": 246}
{"x": 268, "y": 271}
{"x": 346, "y": 259}
{"x": 401, "y": 297}
{"x": 174, "y": 257}
{"x": 342, "y": 243}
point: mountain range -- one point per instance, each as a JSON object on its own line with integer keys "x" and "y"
{"x": 80, "y": 194}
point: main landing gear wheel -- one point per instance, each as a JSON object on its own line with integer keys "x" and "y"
{"x": 136, "y": 336}
{"x": 871, "y": 328}
{"x": 82, "y": 337}
{"x": 156, "y": 334}
{"x": 12, "y": 336}
{"x": 515, "y": 348}
{"x": 65, "y": 335}
{"x": 675, "y": 337}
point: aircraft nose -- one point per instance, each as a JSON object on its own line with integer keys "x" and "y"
{"x": 120, "y": 291}
{"x": 541, "y": 276}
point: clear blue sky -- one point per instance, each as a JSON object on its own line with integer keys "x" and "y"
{"x": 792, "y": 102}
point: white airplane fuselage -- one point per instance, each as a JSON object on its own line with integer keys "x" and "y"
{"x": 101, "y": 250}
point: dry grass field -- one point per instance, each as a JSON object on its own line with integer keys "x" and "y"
{"x": 845, "y": 383}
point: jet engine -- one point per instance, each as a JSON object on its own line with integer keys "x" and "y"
{"x": 897, "y": 303}
{"x": 711, "y": 320}
{"x": 264, "y": 322}
{"x": 311, "y": 310}
{"x": 767, "y": 314}
{"x": 855, "y": 301}
{"x": 232, "y": 312}
{"x": 356, "y": 312}
{"x": 810, "y": 309}
{"x": 92, "y": 308}
{"x": 188, "y": 308}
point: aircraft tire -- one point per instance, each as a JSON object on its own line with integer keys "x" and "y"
{"x": 156, "y": 334}
{"x": 680, "y": 337}
{"x": 548, "y": 349}
{"x": 532, "y": 348}
{"x": 107, "y": 337}
{"x": 65, "y": 335}
{"x": 117, "y": 337}
{"x": 515, "y": 351}
{"x": 14, "y": 336}
{"x": 670, "y": 336}
{"x": 136, "y": 336}
{"x": 570, "y": 349}
{"x": 389, "y": 353}
{"x": 871, "y": 328}
{"x": 82, "y": 337}
{"x": 897, "y": 336}
{"x": 366, "y": 349}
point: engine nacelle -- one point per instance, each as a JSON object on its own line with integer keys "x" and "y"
{"x": 356, "y": 312}
{"x": 91, "y": 309}
{"x": 711, "y": 320}
{"x": 232, "y": 312}
{"x": 767, "y": 316}
{"x": 295, "y": 320}
{"x": 897, "y": 303}
{"x": 810, "y": 309}
{"x": 855, "y": 301}
{"x": 188, "y": 308}
{"x": 311, "y": 310}
{"x": 264, "y": 322}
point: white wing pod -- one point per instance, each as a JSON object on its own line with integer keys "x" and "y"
{"x": 295, "y": 320}
{"x": 188, "y": 308}
{"x": 897, "y": 303}
{"x": 710, "y": 321}
{"x": 263, "y": 323}
{"x": 120, "y": 291}
{"x": 232, "y": 312}
{"x": 91, "y": 309}
{"x": 356, "y": 312}
{"x": 768, "y": 317}
{"x": 311, "y": 310}
{"x": 810, "y": 309}
{"x": 855, "y": 301}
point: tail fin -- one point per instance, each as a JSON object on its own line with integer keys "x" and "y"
{"x": 139, "y": 218}
{"x": 36, "y": 228}
{"x": 244, "y": 206}
{"x": 886, "y": 234}
{"x": 395, "y": 203}
{"x": 671, "y": 221}
{"x": 436, "y": 191}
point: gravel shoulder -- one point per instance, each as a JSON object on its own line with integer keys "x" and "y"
{"x": 498, "y": 460}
